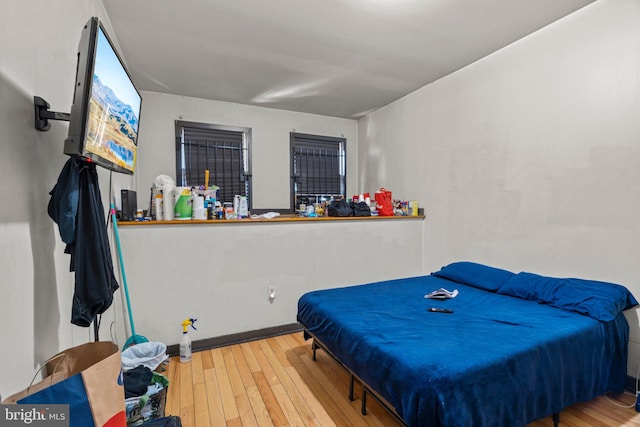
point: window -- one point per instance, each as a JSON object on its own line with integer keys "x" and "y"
{"x": 223, "y": 150}
{"x": 318, "y": 168}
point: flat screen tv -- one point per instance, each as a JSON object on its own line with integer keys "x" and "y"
{"x": 103, "y": 123}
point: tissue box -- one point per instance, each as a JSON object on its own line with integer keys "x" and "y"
{"x": 150, "y": 406}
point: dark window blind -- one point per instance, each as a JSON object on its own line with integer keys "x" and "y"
{"x": 318, "y": 165}
{"x": 224, "y": 152}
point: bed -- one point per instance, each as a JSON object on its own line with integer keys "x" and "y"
{"x": 516, "y": 347}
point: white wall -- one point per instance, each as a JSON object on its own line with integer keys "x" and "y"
{"x": 37, "y": 57}
{"x": 219, "y": 273}
{"x": 528, "y": 159}
{"x": 270, "y": 141}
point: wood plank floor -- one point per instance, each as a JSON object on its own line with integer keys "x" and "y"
{"x": 275, "y": 382}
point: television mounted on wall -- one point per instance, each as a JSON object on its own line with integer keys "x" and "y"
{"x": 104, "y": 118}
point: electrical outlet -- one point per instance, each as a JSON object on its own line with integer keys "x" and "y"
{"x": 271, "y": 292}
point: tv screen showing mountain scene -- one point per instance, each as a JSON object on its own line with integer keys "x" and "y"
{"x": 114, "y": 109}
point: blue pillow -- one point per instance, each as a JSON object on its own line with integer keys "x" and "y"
{"x": 476, "y": 275}
{"x": 599, "y": 300}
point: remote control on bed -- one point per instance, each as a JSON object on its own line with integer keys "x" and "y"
{"x": 439, "y": 310}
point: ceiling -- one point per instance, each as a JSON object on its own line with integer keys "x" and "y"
{"x": 342, "y": 58}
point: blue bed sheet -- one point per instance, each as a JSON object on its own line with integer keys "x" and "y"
{"x": 496, "y": 360}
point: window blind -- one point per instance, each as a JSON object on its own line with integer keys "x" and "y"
{"x": 223, "y": 152}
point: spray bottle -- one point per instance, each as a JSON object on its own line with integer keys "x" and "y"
{"x": 185, "y": 342}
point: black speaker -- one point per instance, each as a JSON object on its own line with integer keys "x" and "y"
{"x": 129, "y": 205}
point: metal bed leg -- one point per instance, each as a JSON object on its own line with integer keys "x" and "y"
{"x": 556, "y": 419}
{"x": 365, "y": 391}
{"x": 351, "y": 388}
{"x": 364, "y": 400}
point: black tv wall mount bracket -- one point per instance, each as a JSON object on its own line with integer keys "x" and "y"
{"x": 43, "y": 115}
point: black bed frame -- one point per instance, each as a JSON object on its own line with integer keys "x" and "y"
{"x": 366, "y": 389}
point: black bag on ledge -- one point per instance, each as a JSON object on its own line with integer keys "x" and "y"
{"x": 340, "y": 208}
{"x": 360, "y": 209}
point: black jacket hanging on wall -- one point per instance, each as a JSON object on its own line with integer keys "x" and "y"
{"x": 76, "y": 206}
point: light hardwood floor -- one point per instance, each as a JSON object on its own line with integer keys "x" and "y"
{"x": 275, "y": 382}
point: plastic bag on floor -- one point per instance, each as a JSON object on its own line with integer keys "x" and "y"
{"x": 148, "y": 354}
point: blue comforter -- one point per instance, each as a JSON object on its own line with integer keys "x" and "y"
{"x": 497, "y": 360}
